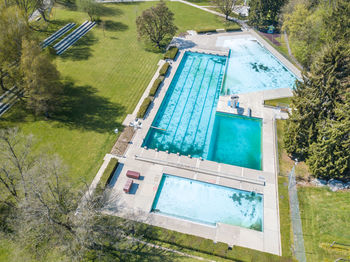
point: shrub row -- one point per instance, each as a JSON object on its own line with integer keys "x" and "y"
{"x": 171, "y": 53}
{"x": 227, "y": 29}
{"x": 164, "y": 69}
{"x": 233, "y": 28}
{"x": 144, "y": 106}
{"x": 209, "y": 247}
{"x": 108, "y": 173}
{"x": 206, "y": 30}
{"x": 155, "y": 86}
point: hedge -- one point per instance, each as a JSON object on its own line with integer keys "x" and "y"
{"x": 164, "y": 69}
{"x": 108, "y": 173}
{"x": 206, "y": 30}
{"x": 155, "y": 86}
{"x": 231, "y": 28}
{"x": 144, "y": 106}
{"x": 171, "y": 53}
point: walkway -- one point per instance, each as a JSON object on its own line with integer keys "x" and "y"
{"x": 241, "y": 22}
{"x": 290, "y": 51}
{"x": 299, "y": 249}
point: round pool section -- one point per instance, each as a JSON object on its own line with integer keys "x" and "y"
{"x": 208, "y": 203}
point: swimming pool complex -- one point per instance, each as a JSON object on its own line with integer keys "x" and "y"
{"x": 208, "y": 203}
{"x": 251, "y": 67}
{"x": 187, "y": 118}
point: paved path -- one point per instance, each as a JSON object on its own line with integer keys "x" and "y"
{"x": 241, "y": 22}
{"x": 299, "y": 249}
{"x": 290, "y": 51}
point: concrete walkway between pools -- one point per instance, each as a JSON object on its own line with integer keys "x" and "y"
{"x": 299, "y": 248}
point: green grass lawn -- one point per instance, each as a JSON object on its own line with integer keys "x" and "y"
{"x": 278, "y": 101}
{"x": 325, "y": 218}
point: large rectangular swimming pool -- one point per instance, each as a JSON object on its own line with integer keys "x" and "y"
{"x": 208, "y": 203}
{"x": 187, "y": 122}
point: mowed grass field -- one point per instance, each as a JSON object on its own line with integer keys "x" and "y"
{"x": 105, "y": 74}
{"x": 325, "y": 218}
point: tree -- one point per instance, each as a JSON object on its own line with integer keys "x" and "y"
{"x": 40, "y": 79}
{"x": 16, "y": 163}
{"x": 91, "y": 7}
{"x": 13, "y": 29}
{"x": 316, "y": 98}
{"x": 156, "y": 23}
{"x": 330, "y": 153}
{"x": 28, "y": 7}
{"x": 225, "y": 6}
{"x": 45, "y": 213}
{"x": 264, "y": 12}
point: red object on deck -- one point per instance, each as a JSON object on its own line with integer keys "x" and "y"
{"x": 127, "y": 186}
{"x": 133, "y": 174}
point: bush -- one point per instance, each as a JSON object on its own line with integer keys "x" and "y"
{"x": 108, "y": 173}
{"x": 144, "y": 106}
{"x": 206, "y": 30}
{"x": 164, "y": 69}
{"x": 155, "y": 86}
{"x": 234, "y": 27}
{"x": 171, "y": 53}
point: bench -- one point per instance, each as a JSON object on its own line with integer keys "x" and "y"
{"x": 133, "y": 174}
{"x": 127, "y": 186}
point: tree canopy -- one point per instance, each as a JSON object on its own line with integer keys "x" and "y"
{"x": 225, "y": 6}
{"x": 313, "y": 130}
{"x": 156, "y": 24}
{"x": 46, "y": 212}
{"x": 265, "y": 12}
{"x": 40, "y": 79}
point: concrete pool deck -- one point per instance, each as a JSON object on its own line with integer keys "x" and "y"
{"x": 152, "y": 164}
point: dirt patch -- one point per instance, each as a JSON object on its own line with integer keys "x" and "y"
{"x": 123, "y": 141}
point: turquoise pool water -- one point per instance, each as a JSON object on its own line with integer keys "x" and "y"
{"x": 208, "y": 203}
{"x": 187, "y": 122}
{"x": 251, "y": 68}
{"x": 236, "y": 140}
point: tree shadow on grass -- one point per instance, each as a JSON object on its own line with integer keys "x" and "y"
{"x": 80, "y": 50}
{"x": 69, "y": 4}
{"x": 110, "y": 25}
{"x": 81, "y": 107}
{"x": 104, "y": 10}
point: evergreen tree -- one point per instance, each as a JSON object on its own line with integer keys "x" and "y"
{"x": 315, "y": 99}
{"x": 330, "y": 153}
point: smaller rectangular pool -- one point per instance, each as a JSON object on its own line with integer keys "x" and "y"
{"x": 236, "y": 140}
{"x": 208, "y": 203}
